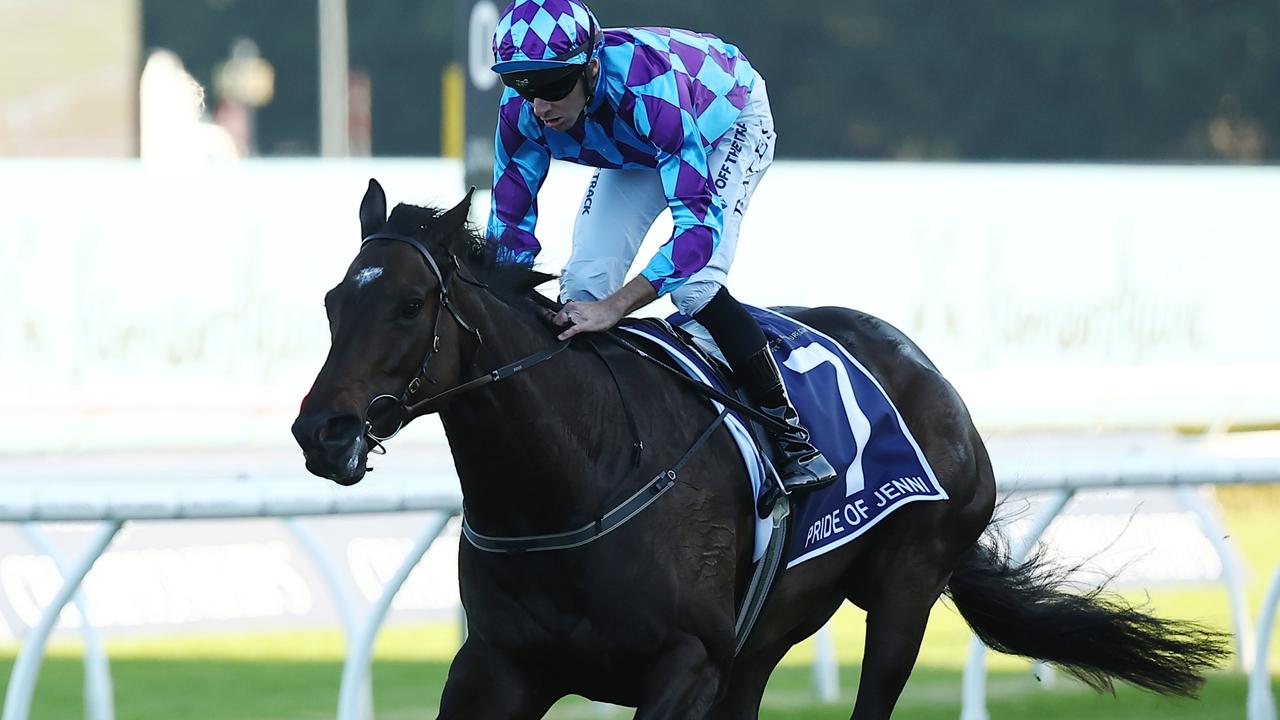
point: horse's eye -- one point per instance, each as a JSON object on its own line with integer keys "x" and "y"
{"x": 410, "y": 309}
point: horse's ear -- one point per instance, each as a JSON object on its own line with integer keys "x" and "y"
{"x": 454, "y": 217}
{"x": 373, "y": 209}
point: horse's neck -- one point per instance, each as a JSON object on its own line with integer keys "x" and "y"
{"x": 521, "y": 446}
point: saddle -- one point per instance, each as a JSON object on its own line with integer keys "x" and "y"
{"x": 849, "y": 416}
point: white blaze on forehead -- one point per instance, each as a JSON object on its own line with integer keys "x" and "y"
{"x": 366, "y": 276}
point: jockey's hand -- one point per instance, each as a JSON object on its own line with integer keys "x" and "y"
{"x": 588, "y": 316}
{"x": 598, "y": 315}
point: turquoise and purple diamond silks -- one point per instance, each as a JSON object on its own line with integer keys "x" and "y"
{"x": 663, "y": 99}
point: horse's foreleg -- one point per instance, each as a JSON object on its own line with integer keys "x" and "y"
{"x": 895, "y": 627}
{"x": 745, "y": 689}
{"x": 683, "y": 684}
{"x": 484, "y": 685}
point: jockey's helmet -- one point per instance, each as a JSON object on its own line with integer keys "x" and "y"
{"x": 537, "y": 35}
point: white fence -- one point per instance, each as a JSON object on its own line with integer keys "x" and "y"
{"x": 113, "y": 505}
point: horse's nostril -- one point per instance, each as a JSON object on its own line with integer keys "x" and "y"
{"x": 339, "y": 431}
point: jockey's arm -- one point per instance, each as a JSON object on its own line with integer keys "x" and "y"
{"x": 696, "y": 209}
{"x": 698, "y": 217}
{"x": 521, "y": 163}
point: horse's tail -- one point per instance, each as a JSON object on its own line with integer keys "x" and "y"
{"x": 1024, "y": 608}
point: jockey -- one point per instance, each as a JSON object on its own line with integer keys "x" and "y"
{"x": 670, "y": 119}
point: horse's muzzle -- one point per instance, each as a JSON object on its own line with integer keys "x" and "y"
{"x": 334, "y": 446}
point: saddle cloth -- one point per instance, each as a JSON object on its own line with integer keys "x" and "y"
{"x": 849, "y": 418}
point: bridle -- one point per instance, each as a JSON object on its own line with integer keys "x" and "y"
{"x": 434, "y": 347}
{"x": 408, "y": 411}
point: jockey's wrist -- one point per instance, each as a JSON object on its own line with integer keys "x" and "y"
{"x": 634, "y": 295}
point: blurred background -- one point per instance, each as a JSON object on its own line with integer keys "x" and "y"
{"x": 1164, "y": 81}
{"x": 1070, "y": 207}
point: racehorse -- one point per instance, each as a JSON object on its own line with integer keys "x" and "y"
{"x": 644, "y": 616}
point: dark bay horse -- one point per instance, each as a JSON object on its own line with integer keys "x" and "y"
{"x": 644, "y": 616}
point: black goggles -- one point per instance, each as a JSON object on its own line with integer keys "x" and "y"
{"x": 549, "y": 85}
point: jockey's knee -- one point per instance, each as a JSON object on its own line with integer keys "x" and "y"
{"x": 694, "y": 295}
{"x": 591, "y": 279}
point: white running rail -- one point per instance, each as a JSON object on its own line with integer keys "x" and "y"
{"x": 114, "y": 504}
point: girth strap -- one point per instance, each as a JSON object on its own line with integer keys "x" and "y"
{"x": 766, "y": 572}
{"x": 605, "y": 524}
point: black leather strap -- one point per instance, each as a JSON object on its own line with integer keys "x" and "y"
{"x": 605, "y": 524}
{"x": 423, "y": 407}
{"x": 637, "y": 445}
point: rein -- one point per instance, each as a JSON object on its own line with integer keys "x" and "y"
{"x": 421, "y": 407}
{"x": 409, "y": 411}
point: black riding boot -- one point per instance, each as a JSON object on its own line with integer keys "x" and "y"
{"x": 798, "y": 462}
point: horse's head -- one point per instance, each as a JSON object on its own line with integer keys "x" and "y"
{"x": 394, "y": 331}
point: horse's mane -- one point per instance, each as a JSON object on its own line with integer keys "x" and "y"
{"x": 510, "y": 281}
